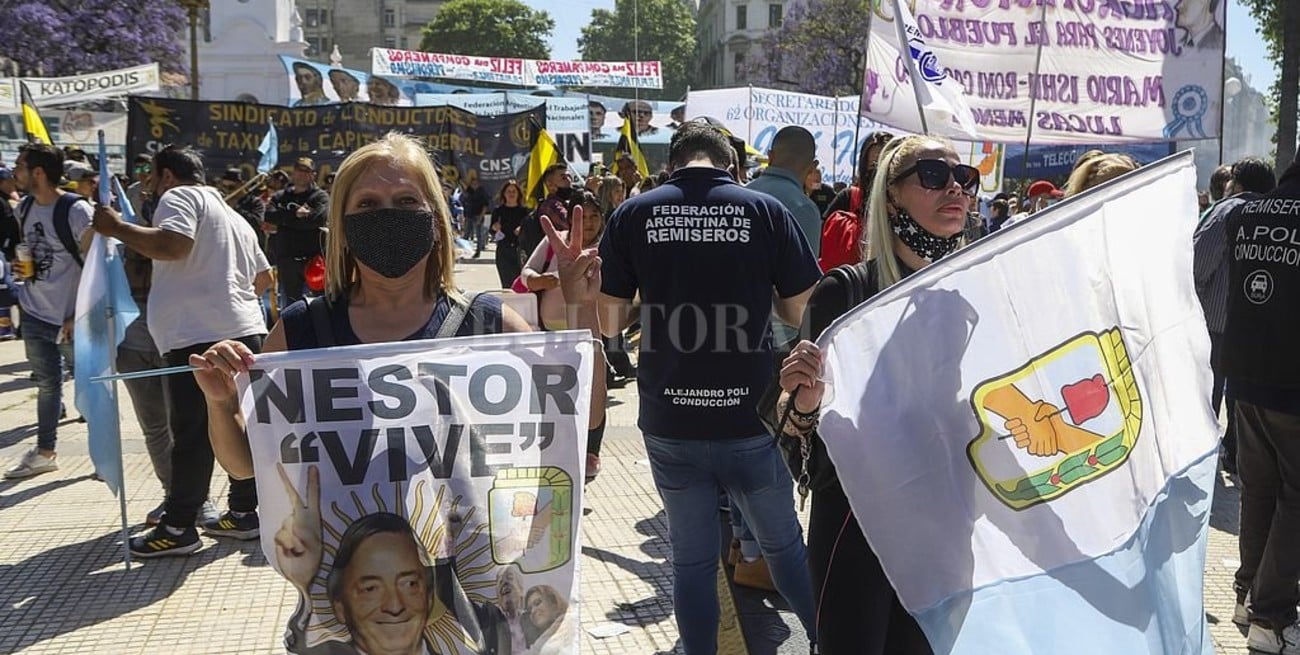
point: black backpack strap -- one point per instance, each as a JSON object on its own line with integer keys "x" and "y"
{"x": 854, "y": 281}
{"x": 459, "y": 310}
{"x": 318, "y": 309}
{"x": 63, "y": 226}
{"x": 24, "y": 208}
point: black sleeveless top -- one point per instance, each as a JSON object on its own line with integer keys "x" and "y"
{"x": 483, "y": 317}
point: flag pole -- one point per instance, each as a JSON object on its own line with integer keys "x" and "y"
{"x": 1033, "y": 93}
{"x": 911, "y": 67}
{"x": 1223, "y": 90}
{"x": 862, "y": 88}
{"x": 110, "y": 314}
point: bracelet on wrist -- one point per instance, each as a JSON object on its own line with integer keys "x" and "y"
{"x": 804, "y": 417}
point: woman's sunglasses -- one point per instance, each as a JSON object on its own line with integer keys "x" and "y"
{"x": 934, "y": 174}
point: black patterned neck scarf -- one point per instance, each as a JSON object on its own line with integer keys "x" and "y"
{"x": 925, "y": 244}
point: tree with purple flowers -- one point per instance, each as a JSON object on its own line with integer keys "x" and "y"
{"x": 818, "y": 48}
{"x": 72, "y": 37}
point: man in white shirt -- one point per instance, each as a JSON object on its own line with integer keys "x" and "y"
{"x": 52, "y": 225}
{"x": 208, "y": 278}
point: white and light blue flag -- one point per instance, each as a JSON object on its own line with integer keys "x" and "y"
{"x": 940, "y": 95}
{"x": 269, "y": 149}
{"x": 1023, "y": 429}
{"x": 104, "y": 310}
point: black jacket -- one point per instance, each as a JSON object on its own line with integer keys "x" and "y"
{"x": 253, "y": 210}
{"x": 298, "y": 237}
{"x": 1263, "y": 317}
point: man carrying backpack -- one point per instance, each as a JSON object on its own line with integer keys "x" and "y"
{"x": 49, "y": 262}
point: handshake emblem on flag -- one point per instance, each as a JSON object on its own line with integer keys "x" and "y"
{"x": 1066, "y": 417}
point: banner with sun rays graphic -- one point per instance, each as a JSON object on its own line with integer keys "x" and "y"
{"x": 423, "y": 496}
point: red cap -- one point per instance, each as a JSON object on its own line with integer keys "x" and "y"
{"x": 1044, "y": 188}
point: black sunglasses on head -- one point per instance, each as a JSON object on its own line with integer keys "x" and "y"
{"x": 935, "y": 174}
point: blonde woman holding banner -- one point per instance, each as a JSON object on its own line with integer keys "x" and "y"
{"x": 916, "y": 212}
{"x": 389, "y": 262}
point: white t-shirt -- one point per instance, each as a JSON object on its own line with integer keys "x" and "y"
{"x": 208, "y": 295}
{"x": 51, "y": 296}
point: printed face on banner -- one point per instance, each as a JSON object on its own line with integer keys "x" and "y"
{"x": 422, "y": 497}
{"x": 312, "y": 84}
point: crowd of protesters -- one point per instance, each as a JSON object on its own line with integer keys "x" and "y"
{"x": 595, "y": 259}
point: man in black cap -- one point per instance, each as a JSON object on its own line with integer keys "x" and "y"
{"x": 244, "y": 201}
{"x": 298, "y": 214}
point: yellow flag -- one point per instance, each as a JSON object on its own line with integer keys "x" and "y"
{"x": 544, "y": 153}
{"x": 627, "y": 142}
{"x": 32, "y": 123}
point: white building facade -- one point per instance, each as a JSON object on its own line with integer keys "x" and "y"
{"x": 239, "y": 50}
{"x": 729, "y": 32}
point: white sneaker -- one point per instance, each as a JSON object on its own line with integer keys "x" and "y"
{"x": 208, "y": 514}
{"x": 1240, "y": 616}
{"x": 1265, "y": 640}
{"x": 32, "y": 463}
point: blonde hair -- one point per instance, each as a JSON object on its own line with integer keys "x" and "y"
{"x": 404, "y": 152}
{"x": 1095, "y": 170}
{"x": 605, "y": 192}
{"x": 898, "y": 154}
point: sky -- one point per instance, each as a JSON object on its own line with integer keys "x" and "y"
{"x": 569, "y": 21}
{"x": 1244, "y": 41}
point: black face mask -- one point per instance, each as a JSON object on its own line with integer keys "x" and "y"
{"x": 390, "y": 241}
{"x": 925, "y": 244}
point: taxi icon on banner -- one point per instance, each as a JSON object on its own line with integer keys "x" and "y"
{"x": 1259, "y": 287}
{"x": 1066, "y": 417}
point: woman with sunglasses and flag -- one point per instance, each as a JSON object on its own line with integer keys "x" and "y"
{"x": 919, "y": 198}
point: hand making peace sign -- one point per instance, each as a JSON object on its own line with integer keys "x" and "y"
{"x": 579, "y": 269}
{"x": 298, "y": 547}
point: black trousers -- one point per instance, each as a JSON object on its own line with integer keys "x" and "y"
{"x": 292, "y": 280}
{"x": 508, "y": 267}
{"x": 1268, "y": 460}
{"x": 192, "y": 461}
{"x": 858, "y": 612}
{"x": 1218, "y": 396}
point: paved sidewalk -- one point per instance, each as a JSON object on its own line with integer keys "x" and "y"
{"x": 63, "y": 588}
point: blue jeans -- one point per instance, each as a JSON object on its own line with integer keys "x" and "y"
{"x": 46, "y": 358}
{"x": 689, "y": 475}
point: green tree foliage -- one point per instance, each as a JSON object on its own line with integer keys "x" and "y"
{"x": 489, "y": 28}
{"x": 645, "y": 30}
{"x": 1280, "y": 26}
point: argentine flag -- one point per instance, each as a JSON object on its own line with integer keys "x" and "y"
{"x": 104, "y": 310}
{"x": 1024, "y": 430}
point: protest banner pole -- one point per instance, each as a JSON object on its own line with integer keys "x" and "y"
{"x": 110, "y": 316}
{"x": 1033, "y": 92}
{"x": 862, "y": 87}
{"x": 1223, "y": 91}
{"x": 906, "y": 48}
{"x": 749, "y": 117}
{"x": 151, "y": 373}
